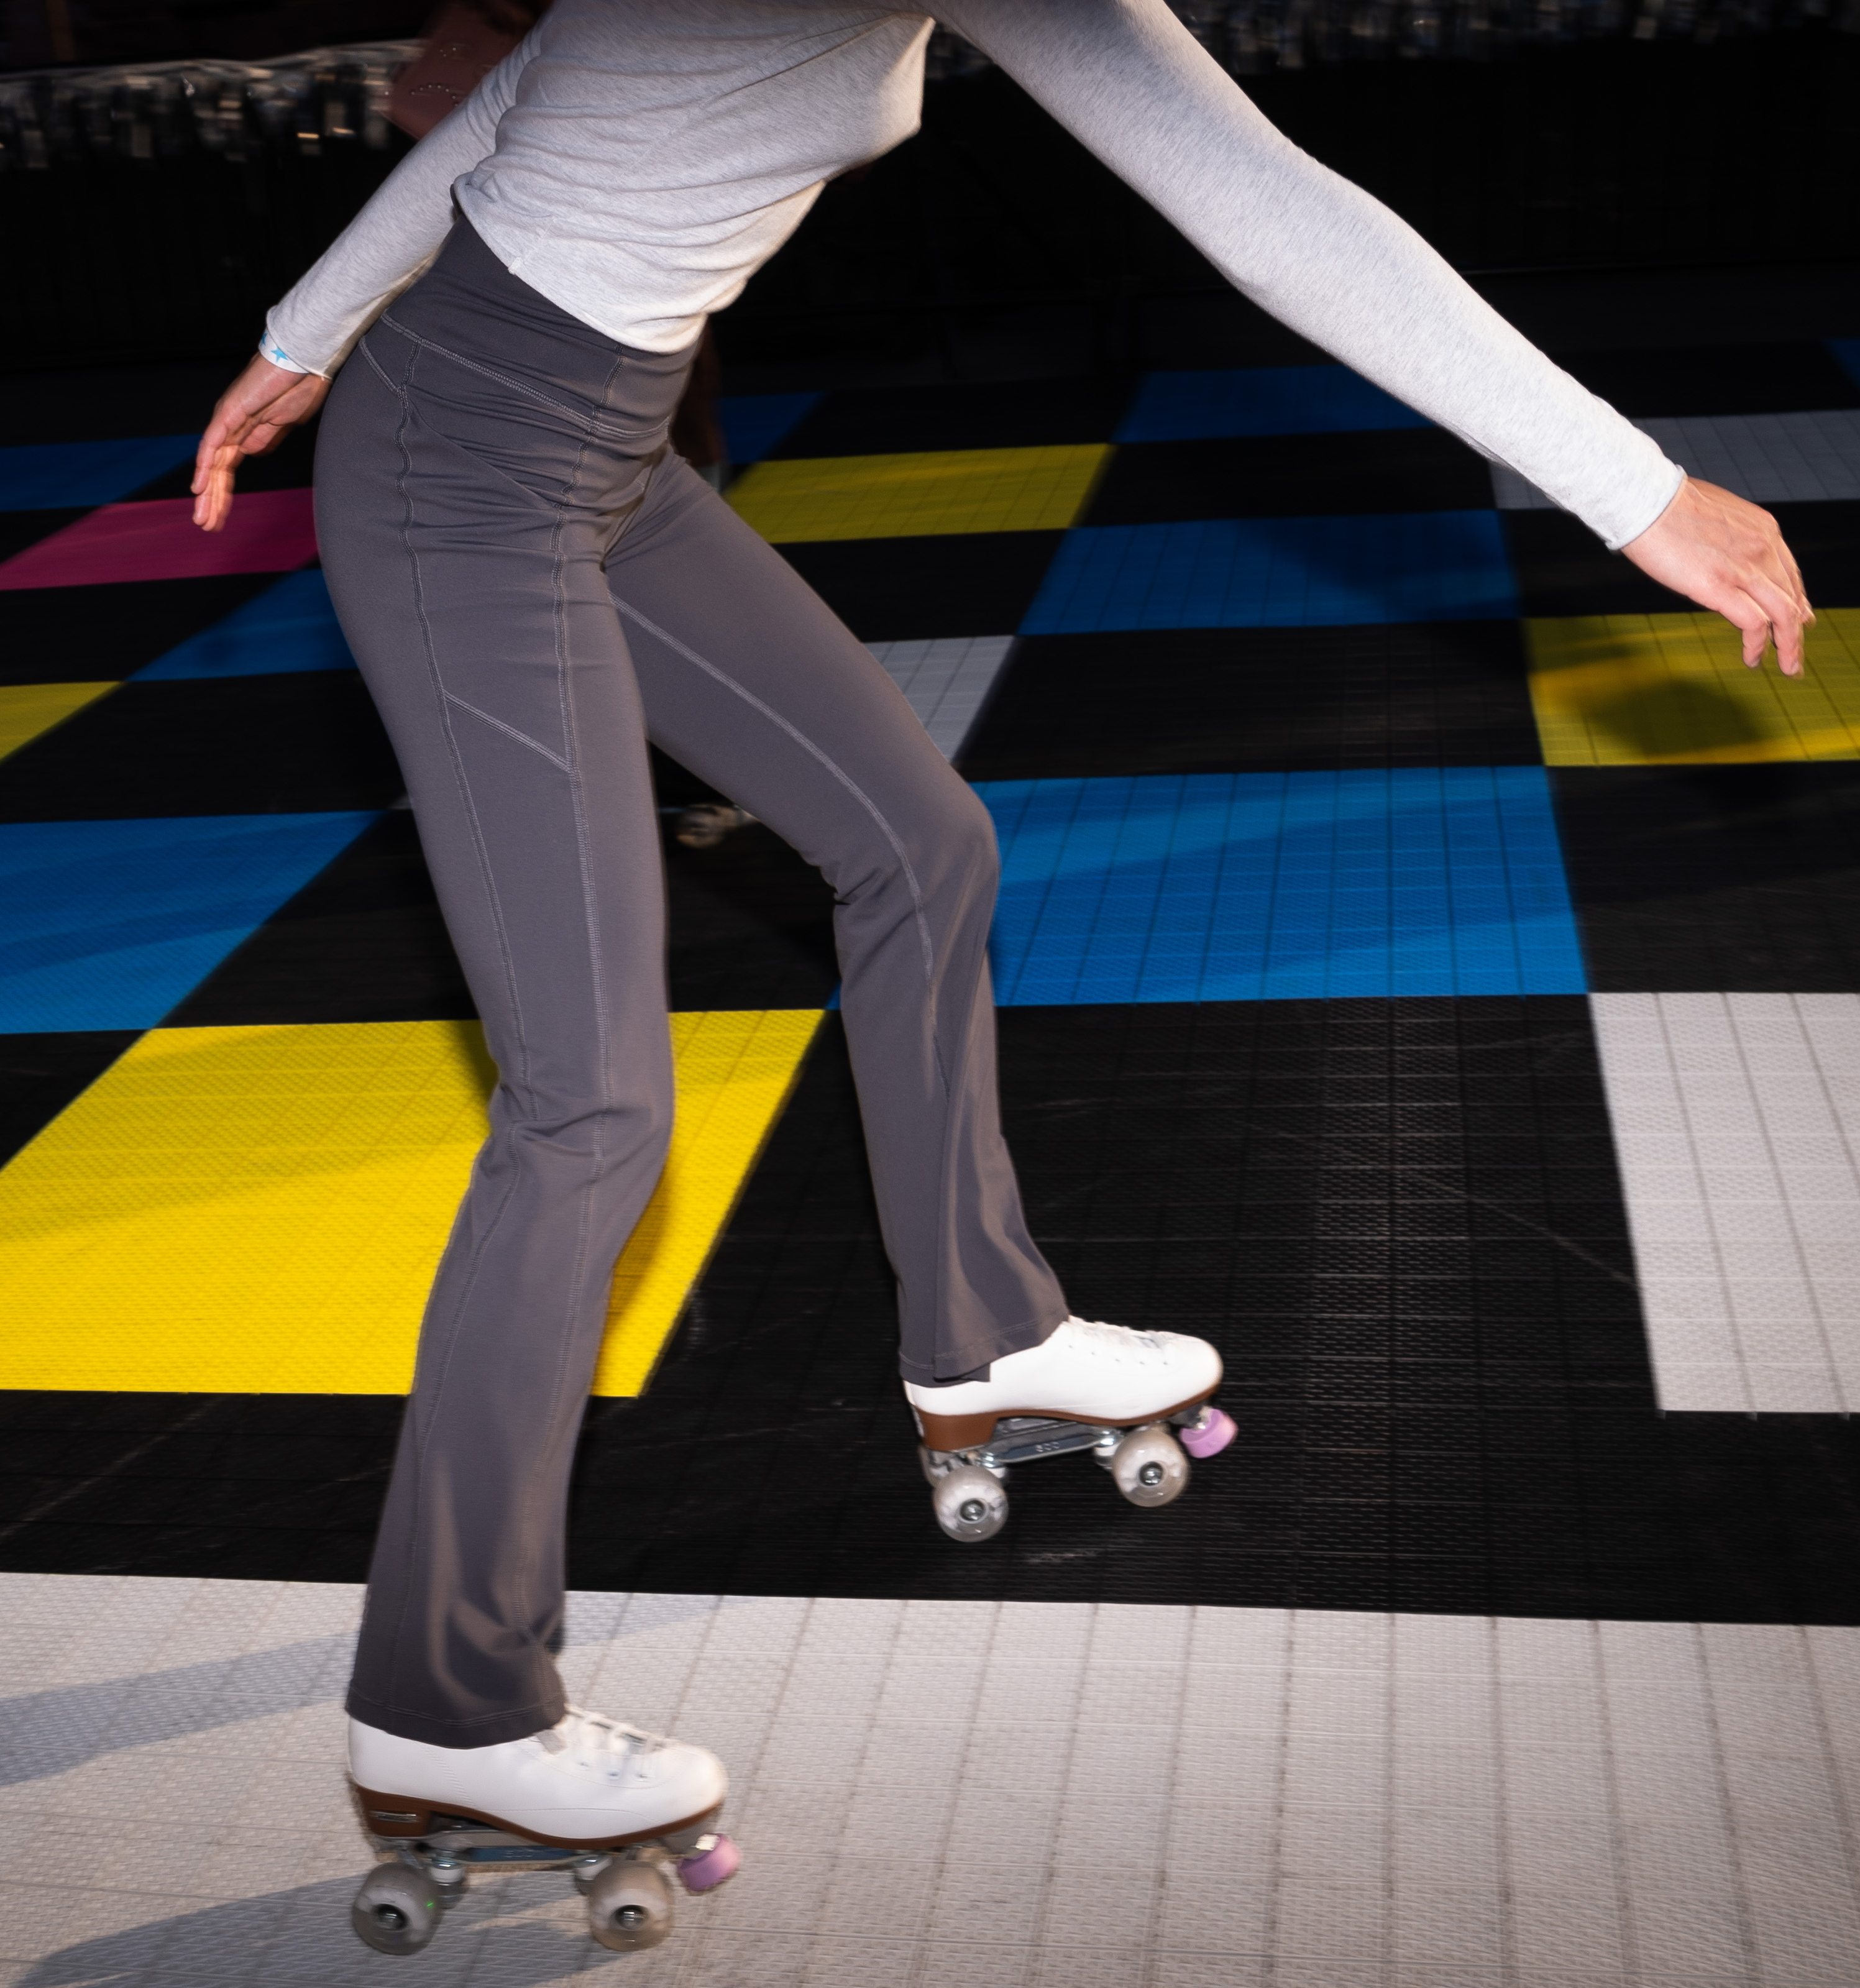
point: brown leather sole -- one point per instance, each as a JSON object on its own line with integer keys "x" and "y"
{"x": 947, "y": 1432}
{"x": 398, "y": 1816}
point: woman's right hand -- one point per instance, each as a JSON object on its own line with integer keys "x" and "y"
{"x": 254, "y": 415}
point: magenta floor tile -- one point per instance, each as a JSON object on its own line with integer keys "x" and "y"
{"x": 270, "y": 531}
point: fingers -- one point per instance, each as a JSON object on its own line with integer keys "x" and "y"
{"x": 1729, "y": 555}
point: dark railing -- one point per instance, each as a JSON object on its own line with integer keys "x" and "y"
{"x": 155, "y": 212}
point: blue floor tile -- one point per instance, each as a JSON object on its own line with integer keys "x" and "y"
{"x": 289, "y": 628}
{"x": 1261, "y": 400}
{"x": 1277, "y": 573}
{"x": 754, "y": 423}
{"x": 1255, "y": 887}
{"x": 51, "y": 476}
{"x": 106, "y": 925}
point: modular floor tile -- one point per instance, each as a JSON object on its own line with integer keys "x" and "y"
{"x": 927, "y": 589}
{"x": 1324, "y": 1795}
{"x": 259, "y": 1210}
{"x": 754, "y": 424}
{"x": 76, "y": 634}
{"x": 308, "y": 742}
{"x": 983, "y": 414}
{"x": 1406, "y": 469}
{"x": 927, "y": 494}
{"x": 1205, "y": 700}
{"x": 291, "y": 626}
{"x": 42, "y": 1072}
{"x": 1400, "y": 1221}
{"x": 1803, "y": 457}
{"x": 1252, "y": 887}
{"x": 750, "y": 926}
{"x": 1564, "y": 569}
{"x": 1260, "y": 400}
{"x": 43, "y": 475}
{"x": 1737, "y": 1119}
{"x": 108, "y": 923}
{"x": 1744, "y": 879}
{"x": 947, "y": 683}
{"x": 1780, "y": 377}
{"x": 269, "y": 531}
{"x": 1669, "y": 689}
{"x": 1277, "y": 572}
{"x": 27, "y": 709}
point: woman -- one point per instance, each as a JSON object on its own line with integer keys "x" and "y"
{"x": 534, "y": 587}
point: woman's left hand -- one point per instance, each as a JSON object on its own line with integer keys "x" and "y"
{"x": 1729, "y": 556}
{"x": 255, "y": 414}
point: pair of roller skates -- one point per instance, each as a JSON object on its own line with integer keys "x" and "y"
{"x": 1137, "y": 1402}
{"x": 626, "y": 1813}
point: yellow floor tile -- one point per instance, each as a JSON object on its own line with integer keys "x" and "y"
{"x": 921, "y": 495}
{"x": 27, "y": 709}
{"x": 259, "y": 1210}
{"x": 1637, "y": 690}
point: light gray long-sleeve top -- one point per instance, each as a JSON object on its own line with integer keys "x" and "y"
{"x": 638, "y": 160}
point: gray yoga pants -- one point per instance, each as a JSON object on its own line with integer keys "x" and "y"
{"x": 534, "y": 587}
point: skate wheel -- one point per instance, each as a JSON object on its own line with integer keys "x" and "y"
{"x": 1150, "y": 1468}
{"x": 629, "y": 1905}
{"x": 716, "y": 1859}
{"x": 1216, "y": 1429}
{"x": 969, "y": 1502}
{"x": 397, "y": 1911}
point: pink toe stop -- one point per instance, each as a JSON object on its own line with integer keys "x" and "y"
{"x": 1211, "y": 1435}
{"x": 706, "y": 1867}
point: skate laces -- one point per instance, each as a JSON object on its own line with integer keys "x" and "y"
{"x": 1115, "y": 1337}
{"x": 591, "y": 1732}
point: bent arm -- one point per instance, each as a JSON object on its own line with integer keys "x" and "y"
{"x": 314, "y": 327}
{"x": 1130, "y": 82}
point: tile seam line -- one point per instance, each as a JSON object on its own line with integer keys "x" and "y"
{"x": 1788, "y": 1206}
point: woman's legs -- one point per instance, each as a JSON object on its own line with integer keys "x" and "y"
{"x": 749, "y": 679}
{"x": 463, "y": 518}
{"x": 482, "y": 456}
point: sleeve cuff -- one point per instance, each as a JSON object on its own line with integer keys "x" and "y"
{"x": 270, "y": 350}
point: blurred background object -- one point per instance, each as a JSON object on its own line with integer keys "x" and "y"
{"x": 164, "y": 185}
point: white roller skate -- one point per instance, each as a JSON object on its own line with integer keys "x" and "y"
{"x": 1088, "y": 1386}
{"x": 615, "y": 1807}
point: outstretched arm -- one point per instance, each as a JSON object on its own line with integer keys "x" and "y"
{"x": 1128, "y": 80}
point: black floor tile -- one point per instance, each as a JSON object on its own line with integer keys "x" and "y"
{"x": 1741, "y": 879}
{"x": 1464, "y": 1422}
{"x": 1716, "y": 379}
{"x": 1825, "y": 538}
{"x": 275, "y": 1487}
{"x": 93, "y": 634}
{"x": 105, "y": 403}
{"x": 750, "y": 926}
{"x": 40, "y": 1074}
{"x": 1020, "y": 414}
{"x": 21, "y": 528}
{"x": 363, "y": 941}
{"x": 1562, "y": 568}
{"x": 1290, "y": 476}
{"x": 906, "y": 589}
{"x": 304, "y": 743}
{"x": 1211, "y": 700}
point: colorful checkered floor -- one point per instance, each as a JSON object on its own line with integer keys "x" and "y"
{"x": 1430, "y": 967}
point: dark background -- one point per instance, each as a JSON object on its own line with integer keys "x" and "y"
{"x": 148, "y": 242}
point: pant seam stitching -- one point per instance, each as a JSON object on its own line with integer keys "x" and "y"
{"x": 807, "y": 745}
{"x": 418, "y": 1437}
{"x": 522, "y": 738}
{"x": 588, "y": 424}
